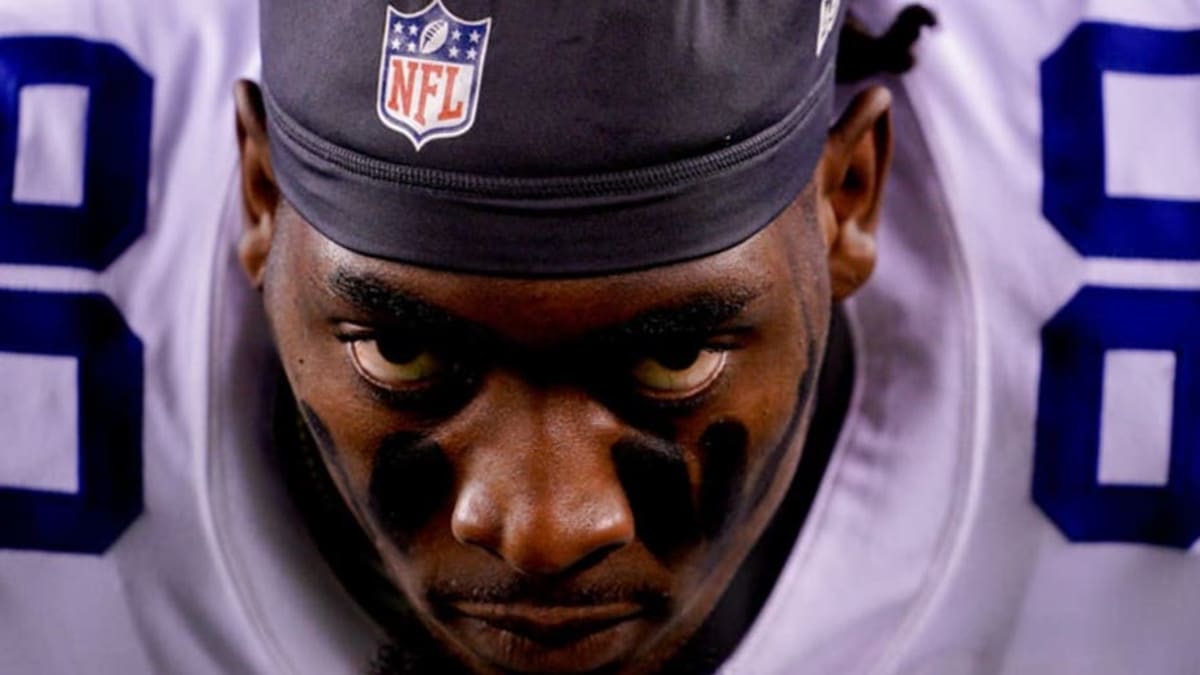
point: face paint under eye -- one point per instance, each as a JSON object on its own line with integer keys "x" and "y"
{"x": 409, "y": 481}
{"x": 723, "y": 445}
{"x": 654, "y": 475}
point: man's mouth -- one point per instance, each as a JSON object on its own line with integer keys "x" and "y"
{"x": 553, "y": 626}
{"x": 525, "y": 636}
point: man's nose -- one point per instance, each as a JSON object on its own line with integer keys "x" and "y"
{"x": 538, "y": 485}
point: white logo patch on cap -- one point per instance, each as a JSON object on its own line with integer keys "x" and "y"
{"x": 829, "y": 16}
{"x": 430, "y": 72}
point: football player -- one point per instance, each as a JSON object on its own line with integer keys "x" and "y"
{"x": 143, "y": 527}
{"x": 551, "y": 287}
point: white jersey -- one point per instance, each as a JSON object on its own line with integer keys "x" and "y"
{"x": 1011, "y": 491}
{"x": 1053, "y": 526}
{"x": 116, "y": 150}
{"x": 143, "y": 524}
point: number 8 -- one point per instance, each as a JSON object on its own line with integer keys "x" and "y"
{"x": 83, "y": 325}
{"x": 1067, "y": 444}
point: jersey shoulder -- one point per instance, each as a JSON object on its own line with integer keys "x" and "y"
{"x": 116, "y": 151}
{"x": 1054, "y": 129}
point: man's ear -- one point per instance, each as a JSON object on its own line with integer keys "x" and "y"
{"x": 850, "y": 186}
{"x": 260, "y": 194}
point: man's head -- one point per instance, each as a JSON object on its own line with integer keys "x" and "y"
{"x": 563, "y": 470}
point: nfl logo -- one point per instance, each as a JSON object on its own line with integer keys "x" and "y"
{"x": 430, "y": 71}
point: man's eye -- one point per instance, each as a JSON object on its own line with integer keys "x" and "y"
{"x": 395, "y": 363}
{"x": 679, "y": 372}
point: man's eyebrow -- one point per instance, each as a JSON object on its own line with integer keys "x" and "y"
{"x": 693, "y": 316}
{"x": 696, "y": 315}
{"x": 375, "y": 296}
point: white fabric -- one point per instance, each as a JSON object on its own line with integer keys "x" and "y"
{"x": 23, "y": 414}
{"x": 51, "y": 121}
{"x": 1009, "y": 592}
{"x": 1022, "y": 598}
{"x": 1135, "y": 448}
{"x": 159, "y": 600}
{"x": 1151, "y": 138}
{"x": 216, "y": 575}
{"x": 924, "y": 552}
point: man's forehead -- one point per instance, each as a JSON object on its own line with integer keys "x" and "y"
{"x": 676, "y": 297}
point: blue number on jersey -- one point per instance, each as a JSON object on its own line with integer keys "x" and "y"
{"x": 85, "y": 326}
{"x": 1099, "y": 319}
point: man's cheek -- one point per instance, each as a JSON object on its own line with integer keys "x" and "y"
{"x": 788, "y": 423}
{"x": 349, "y": 464}
{"x": 743, "y": 449}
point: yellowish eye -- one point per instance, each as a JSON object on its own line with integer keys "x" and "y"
{"x": 395, "y": 364}
{"x": 679, "y": 373}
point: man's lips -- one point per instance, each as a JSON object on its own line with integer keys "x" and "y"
{"x": 550, "y": 624}
{"x": 530, "y": 629}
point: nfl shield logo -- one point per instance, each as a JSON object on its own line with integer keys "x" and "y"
{"x": 430, "y": 71}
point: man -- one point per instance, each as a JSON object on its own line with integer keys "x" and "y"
{"x": 551, "y": 288}
{"x": 143, "y": 527}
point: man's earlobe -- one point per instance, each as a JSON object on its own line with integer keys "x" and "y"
{"x": 260, "y": 194}
{"x": 850, "y": 187}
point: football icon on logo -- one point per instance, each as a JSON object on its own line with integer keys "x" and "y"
{"x": 434, "y": 36}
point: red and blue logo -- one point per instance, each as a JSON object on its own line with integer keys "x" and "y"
{"x": 430, "y": 72}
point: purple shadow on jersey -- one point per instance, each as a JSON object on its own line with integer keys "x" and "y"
{"x": 430, "y": 72}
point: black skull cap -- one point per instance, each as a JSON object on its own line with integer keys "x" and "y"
{"x": 546, "y": 137}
